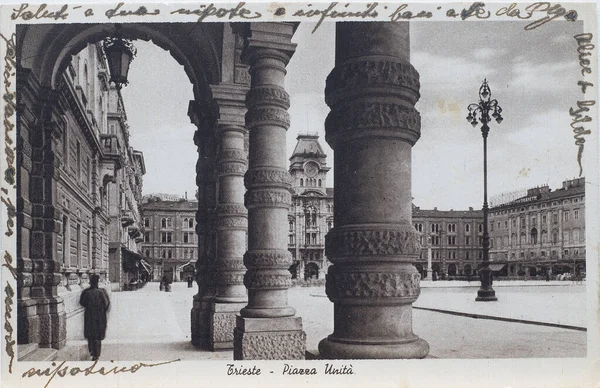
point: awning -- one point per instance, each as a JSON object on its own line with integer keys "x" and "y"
{"x": 496, "y": 267}
{"x": 130, "y": 259}
{"x": 146, "y": 266}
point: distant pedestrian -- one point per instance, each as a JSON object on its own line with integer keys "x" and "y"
{"x": 190, "y": 282}
{"x": 547, "y": 276}
{"x": 96, "y": 303}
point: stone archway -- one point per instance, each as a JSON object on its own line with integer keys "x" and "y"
{"x": 43, "y": 53}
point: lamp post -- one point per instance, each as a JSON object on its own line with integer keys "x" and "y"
{"x": 481, "y": 111}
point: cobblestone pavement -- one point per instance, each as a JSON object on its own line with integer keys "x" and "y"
{"x": 151, "y": 325}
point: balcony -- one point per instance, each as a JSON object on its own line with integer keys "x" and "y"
{"x": 111, "y": 149}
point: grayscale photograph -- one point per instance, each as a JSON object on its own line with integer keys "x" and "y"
{"x": 315, "y": 193}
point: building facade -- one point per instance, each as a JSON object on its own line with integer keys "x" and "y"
{"x": 169, "y": 235}
{"x": 541, "y": 233}
{"x": 89, "y": 164}
{"x": 454, "y": 240}
{"x": 124, "y": 196}
{"x": 311, "y": 213}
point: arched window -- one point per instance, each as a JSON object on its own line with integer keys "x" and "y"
{"x": 534, "y": 236}
{"x": 301, "y": 182}
{"x": 146, "y": 222}
{"x": 169, "y": 223}
{"x": 320, "y": 183}
{"x": 184, "y": 222}
{"x": 163, "y": 222}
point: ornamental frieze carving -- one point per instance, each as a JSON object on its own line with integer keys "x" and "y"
{"x": 267, "y": 116}
{"x": 339, "y": 243}
{"x": 372, "y": 72}
{"x": 267, "y": 176}
{"x": 372, "y": 285}
{"x": 231, "y": 208}
{"x": 268, "y": 95}
{"x": 373, "y": 115}
{"x": 268, "y": 198}
{"x": 272, "y": 346}
{"x": 232, "y": 222}
{"x": 223, "y": 278}
{"x": 226, "y": 264}
{"x": 232, "y": 168}
{"x": 232, "y": 155}
{"x": 254, "y": 279}
{"x": 268, "y": 259}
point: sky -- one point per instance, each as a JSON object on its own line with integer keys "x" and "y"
{"x": 533, "y": 75}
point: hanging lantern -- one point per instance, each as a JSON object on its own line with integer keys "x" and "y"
{"x": 119, "y": 54}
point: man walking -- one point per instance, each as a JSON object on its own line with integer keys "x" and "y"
{"x": 96, "y": 303}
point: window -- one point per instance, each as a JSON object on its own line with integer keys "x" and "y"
{"x": 146, "y": 236}
{"x": 522, "y": 254}
{"x": 79, "y": 251}
{"x": 534, "y": 235}
{"x": 544, "y": 219}
{"x": 186, "y": 238}
{"x": 467, "y": 240}
{"x": 452, "y": 254}
{"x": 452, "y": 228}
{"x": 169, "y": 224}
{"x": 467, "y": 255}
{"x": 505, "y": 224}
{"x": 480, "y": 240}
{"x": 89, "y": 249}
{"x": 451, "y": 240}
{"x": 291, "y": 242}
{"x": 307, "y": 239}
{"x": 499, "y": 224}
{"x": 147, "y": 253}
{"x": 576, "y": 235}
{"x": 435, "y": 228}
{"x": 543, "y": 253}
{"x": 566, "y": 236}
{"x": 78, "y": 150}
{"x": 169, "y": 254}
{"x": 191, "y": 223}
{"x": 555, "y": 218}
{"x": 576, "y": 214}
{"x": 65, "y": 241}
{"x": 467, "y": 228}
{"x": 480, "y": 254}
{"x": 314, "y": 238}
{"x": 480, "y": 228}
{"x": 164, "y": 253}
{"x": 146, "y": 222}
{"x": 435, "y": 240}
{"x": 301, "y": 182}
{"x": 533, "y": 220}
{"x": 514, "y": 223}
{"x": 566, "y": 216}
{"x": 320, "y": 183}
{"x": 291, "y": 224}
{"x": 491, "y": 226}
{"x": 522, "y": 222}
{"x": 555, "y": 237}
{"x": 566, "y": 252}
{"x": 163, "y": 223}
{"x": 166, "y": 237}
{"x": 419, "y": 227}
{"x": 329, "y": 225}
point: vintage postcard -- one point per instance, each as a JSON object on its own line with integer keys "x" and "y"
{"x": 299, "y": 194}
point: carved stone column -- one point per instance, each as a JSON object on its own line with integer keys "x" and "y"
{"x": 231, "y": 215}
{"x": 267, "y": 327}
{"x": 203, "y": 117}
{"x": 41, "y": 311}
{"x": 372, "y": 127}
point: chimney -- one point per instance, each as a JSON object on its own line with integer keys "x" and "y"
{"x": 186, "y": 195}
{"x": 470, "y": 208}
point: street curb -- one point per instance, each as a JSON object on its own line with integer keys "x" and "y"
{"x": 493, "y": 318}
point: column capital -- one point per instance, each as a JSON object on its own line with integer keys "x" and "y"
{"x": 230, "y": 103}
{"x": 276, "y": 37}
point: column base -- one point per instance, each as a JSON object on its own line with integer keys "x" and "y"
{"x": 222, "y": 324}
{"x": 200, "y": 322}
{"x": 329, "y": 349}
{"x": 269, "y": 339}
{"x": 486, "y": 295}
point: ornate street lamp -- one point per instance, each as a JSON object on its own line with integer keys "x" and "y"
{"x": 481, "y": 111}
{"x": 119, "y": 54}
